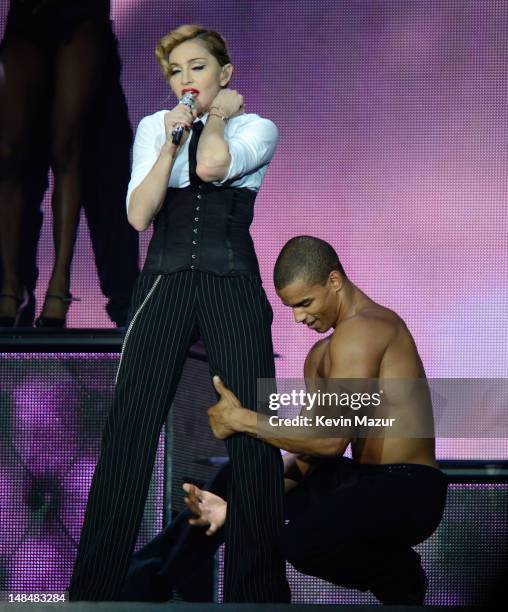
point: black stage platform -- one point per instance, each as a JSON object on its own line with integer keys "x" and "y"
{"x": 470, "y": 475}
{"x": 80, "y": 340}
{"x": 205, "y": 607}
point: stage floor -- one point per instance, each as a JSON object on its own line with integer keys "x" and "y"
{"x": 207, "y": 607}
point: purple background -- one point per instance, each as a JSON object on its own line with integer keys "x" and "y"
{"x": 52, "y": 411}
{"x": 52, "y": 407}
{"x": 393, "y": 148}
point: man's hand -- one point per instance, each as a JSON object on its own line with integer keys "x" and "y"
{"x": 224, "y": 417}
{"x": 209, "y": 508}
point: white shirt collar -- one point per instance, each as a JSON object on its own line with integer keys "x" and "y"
{"x": 203, "y": 119}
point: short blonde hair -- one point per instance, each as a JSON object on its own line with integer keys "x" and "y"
{"x": 212, "y": 40}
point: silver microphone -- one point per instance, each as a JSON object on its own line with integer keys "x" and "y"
{"x": 177, "y": 131}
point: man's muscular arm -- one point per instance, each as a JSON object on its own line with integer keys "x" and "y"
{"x": 356, "y": 348}
{"x": 297, "y": 467}
{"x": 228, "y": 416}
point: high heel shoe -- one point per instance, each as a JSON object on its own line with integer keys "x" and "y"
{"x": 54, "y": 322}
{"x": 25, "y": 310}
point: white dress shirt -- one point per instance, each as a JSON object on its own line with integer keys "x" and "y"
{"x": 251, "y": 139}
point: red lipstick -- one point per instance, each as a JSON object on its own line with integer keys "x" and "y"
{"x": 191, "y": 89}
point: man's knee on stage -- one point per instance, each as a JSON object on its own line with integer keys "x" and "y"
{"x": 299, "y": 550}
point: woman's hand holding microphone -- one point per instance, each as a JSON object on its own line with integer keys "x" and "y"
{"x": 226, "y": 104}
{"x": 180, "y": 115}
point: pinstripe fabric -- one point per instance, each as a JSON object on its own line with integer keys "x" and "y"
{"x": 235, "y": 324}
{"x": 234, "y": 317}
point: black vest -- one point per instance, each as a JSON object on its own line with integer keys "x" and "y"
{"x": 203, "y": 227}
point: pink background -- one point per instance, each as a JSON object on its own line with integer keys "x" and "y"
{"x": 393, "y": 148}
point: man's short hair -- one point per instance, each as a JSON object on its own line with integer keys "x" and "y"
{"x": 305, "y": 258}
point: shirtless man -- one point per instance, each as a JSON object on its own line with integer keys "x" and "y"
{"x": 368, "y": 341}
{"x": 362, "y": 517}
{"x": 354, "y": 521}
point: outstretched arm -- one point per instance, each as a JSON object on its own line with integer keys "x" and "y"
{"x": 210, "y": 509}
{"x": 228, "y": 416}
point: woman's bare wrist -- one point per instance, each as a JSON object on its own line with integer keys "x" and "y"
{"x": 168, "y": 149}
{"x": 217, "y": 111}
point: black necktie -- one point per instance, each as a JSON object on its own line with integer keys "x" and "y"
{"x": 197, "y": 128}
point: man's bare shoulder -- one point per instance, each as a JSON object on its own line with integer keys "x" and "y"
{"x": 366, "y": 335}
{"x": 371, "y": 323}
{"x": 314, "y": 357}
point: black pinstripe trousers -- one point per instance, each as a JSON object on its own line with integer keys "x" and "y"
{"x": 233, "y": 316}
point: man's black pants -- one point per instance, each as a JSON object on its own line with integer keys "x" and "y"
{"x": 350, "y": 524}
{"x": 233, "y": 317}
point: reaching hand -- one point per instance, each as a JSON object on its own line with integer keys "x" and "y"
{"x": 209, "y": 508}
{"x": 223, "y": 416}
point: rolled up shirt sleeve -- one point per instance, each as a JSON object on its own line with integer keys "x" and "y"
{"x": 144, "y": 154}
{"x": 251, "y": 146}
